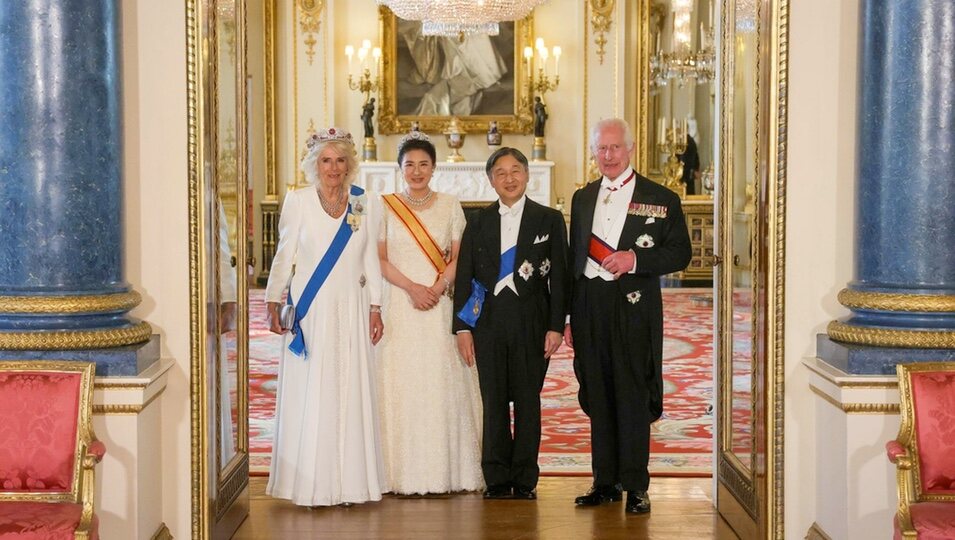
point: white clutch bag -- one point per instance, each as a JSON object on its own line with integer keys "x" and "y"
{"x": 287, "y": 317}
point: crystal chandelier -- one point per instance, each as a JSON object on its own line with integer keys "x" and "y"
{"x": 459, "y": 18}
{"x": 682, "y": 63}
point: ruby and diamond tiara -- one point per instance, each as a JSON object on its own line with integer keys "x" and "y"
{"x": 330, "y": 134}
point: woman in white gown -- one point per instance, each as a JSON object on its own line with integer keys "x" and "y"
{"x": 429, "y": 398}
{"x": 326, "y": 449}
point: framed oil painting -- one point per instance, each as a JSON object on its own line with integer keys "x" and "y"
{"x": 477, "y": 79}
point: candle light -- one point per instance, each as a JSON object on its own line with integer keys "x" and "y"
{"x": 528, "y": 54}
{"x": 684, "y": 131}
{"x": 349, "y": 51}
{"x": 557, "y": 52}
{"x": 376, "y": 54}
{"x": 362, "y": 53}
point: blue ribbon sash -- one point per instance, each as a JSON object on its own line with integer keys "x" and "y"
{"x": 319, "y": 275}
{"x": 507, "y": 263}
{"x": 472, "y": 307}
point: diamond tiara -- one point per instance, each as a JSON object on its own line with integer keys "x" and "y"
{"x": 413, "y": 135}
{"x": 330, "y": 134}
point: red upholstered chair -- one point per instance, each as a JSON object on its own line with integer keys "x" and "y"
{"x": 47, "y": 450}
{"x": 924, "y": 451}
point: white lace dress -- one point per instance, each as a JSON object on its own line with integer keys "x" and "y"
{"x": 429, "y": 399}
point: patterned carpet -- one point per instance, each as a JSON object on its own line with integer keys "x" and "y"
{"x": 681, "y": 442}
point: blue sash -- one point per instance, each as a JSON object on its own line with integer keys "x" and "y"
{"x": 324, "y": 268}
{"x": 507, "y": 263}
{"x": 472, "y": 307}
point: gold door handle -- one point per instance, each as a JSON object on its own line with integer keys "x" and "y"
{"x": 717, "y": 260}
{"x": 232, "y": 261}
{"x": 735, "y": 260}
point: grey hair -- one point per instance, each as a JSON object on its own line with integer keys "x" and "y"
{"x": 609, "y": 123}
{"x": 310, "y": 162}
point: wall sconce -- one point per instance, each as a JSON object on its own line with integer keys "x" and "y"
{"x": 541, "y": 84}
{"x": 366, "y": 84}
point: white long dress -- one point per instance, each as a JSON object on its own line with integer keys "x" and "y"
{"x": 429, "y": 399}
{"x": 326, "y": 448}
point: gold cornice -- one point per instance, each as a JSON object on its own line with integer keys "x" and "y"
{"x": 601, "y": 18}
{"x": 126, "y": 408}
{"x": 858, "y": 408}
{"x": 162, "y": 533}
{"x": 100, "y": 303}
{"x": 75, "y": 339}
{"x": 886, "y": 337}
{"x": 120, "y": 386}
{"x": 815, "y": 532}
{"x": 937, "y": 303}
{"x": 310, "y": 20}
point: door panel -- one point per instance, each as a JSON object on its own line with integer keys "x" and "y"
{"x": 749, "y": 284}
{"x": 218, "y": 275}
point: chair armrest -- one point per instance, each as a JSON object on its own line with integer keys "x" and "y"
{"x": 898, "y": 454}
{"x": 96, "y": 450}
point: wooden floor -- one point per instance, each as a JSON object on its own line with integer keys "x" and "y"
{"x": 682, "y": 509}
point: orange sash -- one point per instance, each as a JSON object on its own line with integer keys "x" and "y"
{"x": 427, "y": 244}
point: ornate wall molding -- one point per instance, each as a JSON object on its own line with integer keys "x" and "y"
{"x": 896, "y": 302}
{"x": 310, "y": 21}
{"x": 858, "y": 408}
{"x": 601, "y": 18}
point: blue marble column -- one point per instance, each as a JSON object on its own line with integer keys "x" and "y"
{"x": 61, "y": 224}
{"x": 903, "y": 295}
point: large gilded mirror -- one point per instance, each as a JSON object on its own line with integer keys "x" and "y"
{"x": 218, "y": 275}
{"x": 749, "y": 283}
{"x": 681, "y": 119}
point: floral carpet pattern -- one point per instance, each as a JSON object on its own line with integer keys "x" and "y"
{"x": 681, "y": 441}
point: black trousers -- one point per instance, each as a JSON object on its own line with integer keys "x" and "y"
{"x": 612, "y": 350}
{"x": 509, "y": 345}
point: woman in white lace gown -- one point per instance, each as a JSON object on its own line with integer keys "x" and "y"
{"x": 326, "y": 449}
{"x": 430, "y": 402}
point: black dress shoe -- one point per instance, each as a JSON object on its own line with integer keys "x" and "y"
{"x": 638, "y": 502}
{"x": 599, "y": 495}
{"x": 522, "y": 493}
{"x": 497, "y": 492}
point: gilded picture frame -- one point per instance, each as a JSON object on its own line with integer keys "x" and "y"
{"x": 512, "y": 113}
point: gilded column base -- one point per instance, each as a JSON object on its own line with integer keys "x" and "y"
{"x": 880, "y": 319}
{"x": 890, "y": 337}
{"x": 75, "y": 339}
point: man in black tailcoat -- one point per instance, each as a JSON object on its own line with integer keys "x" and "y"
{"x": 514, "y": 252}
{"x": 625, "y": 232}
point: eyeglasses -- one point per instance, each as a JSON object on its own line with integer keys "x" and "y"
{"x": 501, "y": 174}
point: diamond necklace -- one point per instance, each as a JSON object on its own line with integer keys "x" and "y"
{"x": 418, "y": 202}
{"x": 332, "y": 209}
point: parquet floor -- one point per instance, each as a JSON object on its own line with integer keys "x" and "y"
{"x": 682, "y": 509}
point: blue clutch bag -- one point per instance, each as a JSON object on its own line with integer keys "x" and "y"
{"x": 472, "y": 308}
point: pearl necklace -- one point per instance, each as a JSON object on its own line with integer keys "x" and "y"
{"x": 332, "y": 209}
{"x": 418, "y": 202}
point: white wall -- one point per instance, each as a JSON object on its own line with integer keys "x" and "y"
{"x": 156, "y": 219}
{"x": 820, "y": 208}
